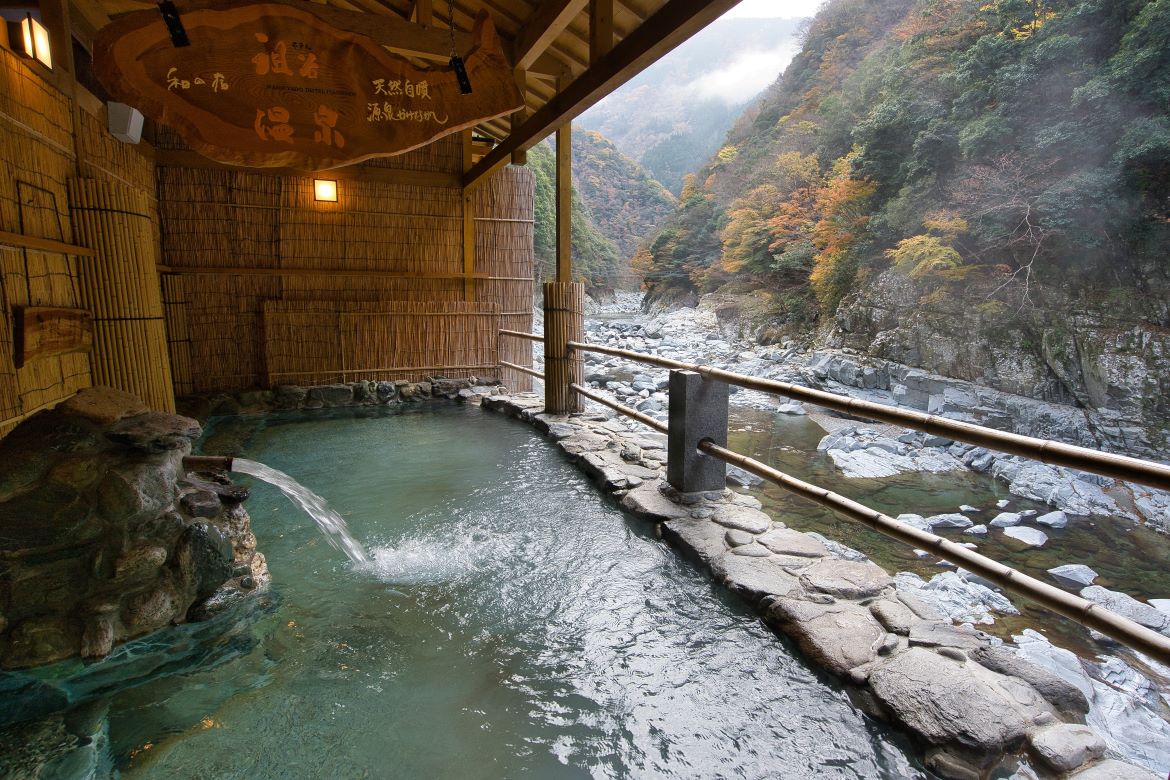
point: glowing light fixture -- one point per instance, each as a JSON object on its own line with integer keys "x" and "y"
{"x": 325, "y": 190}
{"x": 34, "y": 39}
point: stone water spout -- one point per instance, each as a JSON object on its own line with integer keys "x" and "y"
{"x": 331, "y": 524}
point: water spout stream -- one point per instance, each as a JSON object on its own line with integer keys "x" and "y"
{"x": 331, "y": 524}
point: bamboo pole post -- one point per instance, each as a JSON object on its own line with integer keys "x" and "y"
{"x": 564, "y": 321}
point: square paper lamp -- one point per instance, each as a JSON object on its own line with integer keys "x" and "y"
{"x": 124, "y": 122}
{"x": 34, "y": 40}
{"x": 325, "y": 190}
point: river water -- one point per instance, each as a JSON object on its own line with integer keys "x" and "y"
{"x": 509, "y": 625}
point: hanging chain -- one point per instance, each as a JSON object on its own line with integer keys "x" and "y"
{"x": 451, "y": 25}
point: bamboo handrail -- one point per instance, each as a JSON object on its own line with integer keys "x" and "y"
{"x": 520, "y": 335}
{"x": 522, "y": 369}
{"x": 1056, "y": 453}
{"x": 1080, "y": 610}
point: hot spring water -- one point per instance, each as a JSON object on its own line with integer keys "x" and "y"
{"x": 506, "y": 623}
{"x": 332, "y": 525}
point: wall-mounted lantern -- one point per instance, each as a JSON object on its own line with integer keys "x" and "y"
{"x": 325, "y": 190}
{"x": 30, "y": 38}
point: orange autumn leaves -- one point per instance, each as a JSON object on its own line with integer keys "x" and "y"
{"x": 799, "y": 206}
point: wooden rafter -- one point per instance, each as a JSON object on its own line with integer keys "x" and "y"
{"x": 672, "y": 24}
{"x": 549, "y": 20}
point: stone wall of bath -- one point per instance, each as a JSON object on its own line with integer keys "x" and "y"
{"x": 105, "y": 537}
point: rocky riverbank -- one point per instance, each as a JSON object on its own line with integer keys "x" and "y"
{"x": 712, "y": 334}
{"x": 973, "y": 701}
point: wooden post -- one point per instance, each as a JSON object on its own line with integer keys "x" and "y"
{"x": 520, "y": 156}
{"x": 468, "y": 225}
{"x": 564, "y": 321}
{"x": 564, "y": 188}
{"x": 600, "y": 29}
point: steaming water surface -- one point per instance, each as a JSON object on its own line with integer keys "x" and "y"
{"x": 509, "y": 624}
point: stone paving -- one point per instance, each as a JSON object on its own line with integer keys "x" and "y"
{"x": 971, "y": 701}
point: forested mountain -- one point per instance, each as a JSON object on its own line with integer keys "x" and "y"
{"x": 675, "y": 114}
{"x": 980, "y": 188}
{"x": 596, "y": 260}
{"x": 616, "y": 205}
{"x": 627, "y": 205}
{"x": 1019, "y": 145}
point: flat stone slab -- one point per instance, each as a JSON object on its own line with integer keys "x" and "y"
{"x": 839, "y": 636}
{"x": 894, "y": 616}
{"x": 1055, "y": 519}
{"x": 951, "y": 520}
{"x": 646, "y": 500}
{"x": 755, "y": 578}
{"x": 702, "y": 538}
{"x": 1067, "y": 698}
{"x": 1065, "y": 746}
{"x": 742, "y": 518}
{"x": 945, "y": 634}
{"x": 785, "y": 541}
{"x": 846, "y": 579}
{"x": 957, "y": 703}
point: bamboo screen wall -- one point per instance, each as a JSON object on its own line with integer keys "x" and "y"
{"x": 49, "y": 152}
{"x": 264, "y": 286}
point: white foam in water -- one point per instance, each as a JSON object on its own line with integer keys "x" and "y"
{"x": 433, "y": 559}
{"x": 331, "y": 524}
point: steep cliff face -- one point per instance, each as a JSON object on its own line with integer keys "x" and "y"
{"x": 1106, "y": 360}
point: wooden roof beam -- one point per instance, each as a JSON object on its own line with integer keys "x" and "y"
{"x": 547, "y": 22}
{"x": 673, "y": 23}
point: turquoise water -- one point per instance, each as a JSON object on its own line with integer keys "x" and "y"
{"x": 511, "y": 625}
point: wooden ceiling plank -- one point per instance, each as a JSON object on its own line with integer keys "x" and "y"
{"x": 600, "y": 28}
{"x": 547, "y": 22}
{"x": 673, "y": 23}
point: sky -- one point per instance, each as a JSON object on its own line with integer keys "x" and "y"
{"x": 785, "y": 9}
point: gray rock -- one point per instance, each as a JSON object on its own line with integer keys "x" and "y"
{"x": 155, "y": 432}
{"x": 1128, "y": 607}
{"x": 846, "y": 579}
{"x": 838, "y": 549}
{"x": 742, "y": 518}
{"x": 894, "y": 616}
{"x": 1065, "y": 746}
{"x": 937, "y": 633}
{"x": 205, "y": 555}
{"x": 1073, "y": 575}
{"x": 956, "y": 597}
{"x": 738, "y": 476}
{"x": 795, "y": 408}
{"x": 752, "y": 550}
{"x": 755, "y": 578}
{"x": 1005, "y": 520}
{"x": 949, "y": 521}
{"x": 784, "y": 541}
{"x": 1112, "y": 769}
{"x": 977, "y": 530}
{"x": 969, "y": 508}
{"x": 1067, "y": 698}
{"x": 738, "y": 538}
{"x": 838, "y": 636}
{"x": 201, "y": 503}
{"x": 1055, "y": 519}
{"x": 953, "y": 703}
{"x": 701, "y": 538}
{"x": 1033, "y": 537}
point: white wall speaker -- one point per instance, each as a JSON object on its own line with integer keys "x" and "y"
{"x": 125, "y": 123}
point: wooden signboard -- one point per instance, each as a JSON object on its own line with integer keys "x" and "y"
{"x": 43, "y": 332}
{"x": 275, "y": 85}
